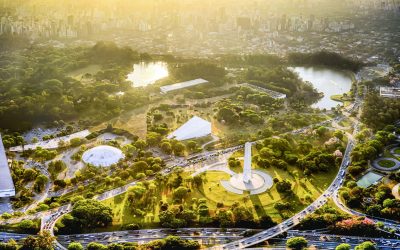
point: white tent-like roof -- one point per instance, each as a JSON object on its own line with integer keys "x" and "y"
{"x": 7, "y": 188}
{"x": 194, "y": 128}
{"x": 102, "y": 156}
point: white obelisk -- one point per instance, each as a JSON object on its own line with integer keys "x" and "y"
{"x": 247, "y": 163}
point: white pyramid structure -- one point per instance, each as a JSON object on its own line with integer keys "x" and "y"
{"x": 196, "y": 127}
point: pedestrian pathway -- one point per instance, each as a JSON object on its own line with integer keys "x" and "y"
{"x": 375, "y": 164}
{"x": 395, "y": 191}
{"x": 393, "y": 151}
{"x": 219, "y": 166}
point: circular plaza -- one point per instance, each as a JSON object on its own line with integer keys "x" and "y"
{"x": 388, "y": 164}
{"x": 259, "y": 182}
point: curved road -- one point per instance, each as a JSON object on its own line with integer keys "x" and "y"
{"x": 49, "y": 218}
{"x": 295, "y": 220}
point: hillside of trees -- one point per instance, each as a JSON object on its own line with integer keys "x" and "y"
{"x": 34, "y": 86}
{"x": 377, "y": 112}
{"x": 324, "y": 58}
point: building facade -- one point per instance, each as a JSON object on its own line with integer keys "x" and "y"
{"x": 7, "y": 188}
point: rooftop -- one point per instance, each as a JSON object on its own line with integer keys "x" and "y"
{"x": 181, "y": 85}
{"x": 6, "y": 181}
{"x": 103, "y": 156}
{"x": 389, "y": 92}
{"x": 196, "y": 127}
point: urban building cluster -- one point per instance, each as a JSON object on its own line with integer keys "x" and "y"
{"x": 206, "y": 30}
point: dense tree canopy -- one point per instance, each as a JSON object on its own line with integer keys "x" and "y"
{"x": 324, "y": 58}
{"x": 35, "y": 87}
{"x": 378, "y": 112}
{"x": 296, "y": 243}
{"x": 87, "y": 214}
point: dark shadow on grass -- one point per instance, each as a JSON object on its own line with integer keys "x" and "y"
{"x": 119, "y": 199}
{"x": 270, "y": 195}
{"x": 315, "y": 186}
{"x": 255, "y": 199}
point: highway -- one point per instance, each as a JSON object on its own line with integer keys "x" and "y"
{"x": 49, "y": 218}
{"x": 329, "y": 241}
{"x": 207, "y": 236}
{"x": 295, "y": 220}
{"x": 4, "y": 237}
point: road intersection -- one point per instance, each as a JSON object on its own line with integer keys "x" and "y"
{"x": 49, "y": 218}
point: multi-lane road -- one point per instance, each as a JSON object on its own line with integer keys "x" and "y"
{"x": 329, "y": 241}
{"x": 207, "y": 236}
{"x": 293, "y": 221}
{"x": 238, "y": 241}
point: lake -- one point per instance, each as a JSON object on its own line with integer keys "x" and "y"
{"x": 144, "y": 74}
{"x": 328, "y": 81}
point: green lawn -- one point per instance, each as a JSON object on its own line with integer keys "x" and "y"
{"x": 386, "y": 163}
{"x": 214, "y": 193}
{"x": 346, "y": 100}
{"x": 91, "y": 69}
{"x": 397, "y": 151}
{"x": 123, "y": 216}
{"x": 345, "y": 122}
{"x": 302, "y": 188}
{"x": 306, "y": 189}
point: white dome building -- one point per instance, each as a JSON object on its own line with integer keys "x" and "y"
{"x": 103, "y": 156}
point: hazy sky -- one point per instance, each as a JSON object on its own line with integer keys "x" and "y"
{"x": 316, "y": 7}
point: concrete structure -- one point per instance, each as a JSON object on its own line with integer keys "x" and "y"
{"x": 7, "y": 188}
{"x": 247, "y": 163}
{"x": 396, "y": 166}
{"x": 194, "y": 128}
{"x": 253, "y": 181}
{"x": 390, "y": 92}
{"x": 167, "y": 88}
{"x": 103, "y": 156}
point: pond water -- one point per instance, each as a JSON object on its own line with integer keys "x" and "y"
{"x": 328, "y": 81}
{"x": 144, "y": 74}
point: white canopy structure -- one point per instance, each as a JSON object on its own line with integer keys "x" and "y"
{"x": 182, "y": 85}
{"x": 102, "y": 156}
{"x": 7, "y": 188}
{"x": 194, "y": 128}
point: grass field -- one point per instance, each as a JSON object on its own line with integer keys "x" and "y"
{"x": 345, "y": 122}
{"x": 91, "y": 69}
{"x": 304, "y": 189}
{"x": 346, "y": 100}
{"x": 386, "y": 163}
{"x": 397, "y": 151}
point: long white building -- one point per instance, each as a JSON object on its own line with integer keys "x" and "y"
{"x": 7, "y": 188}
{"x": 182, "y": 85}
{"x": 390, "y": 92}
